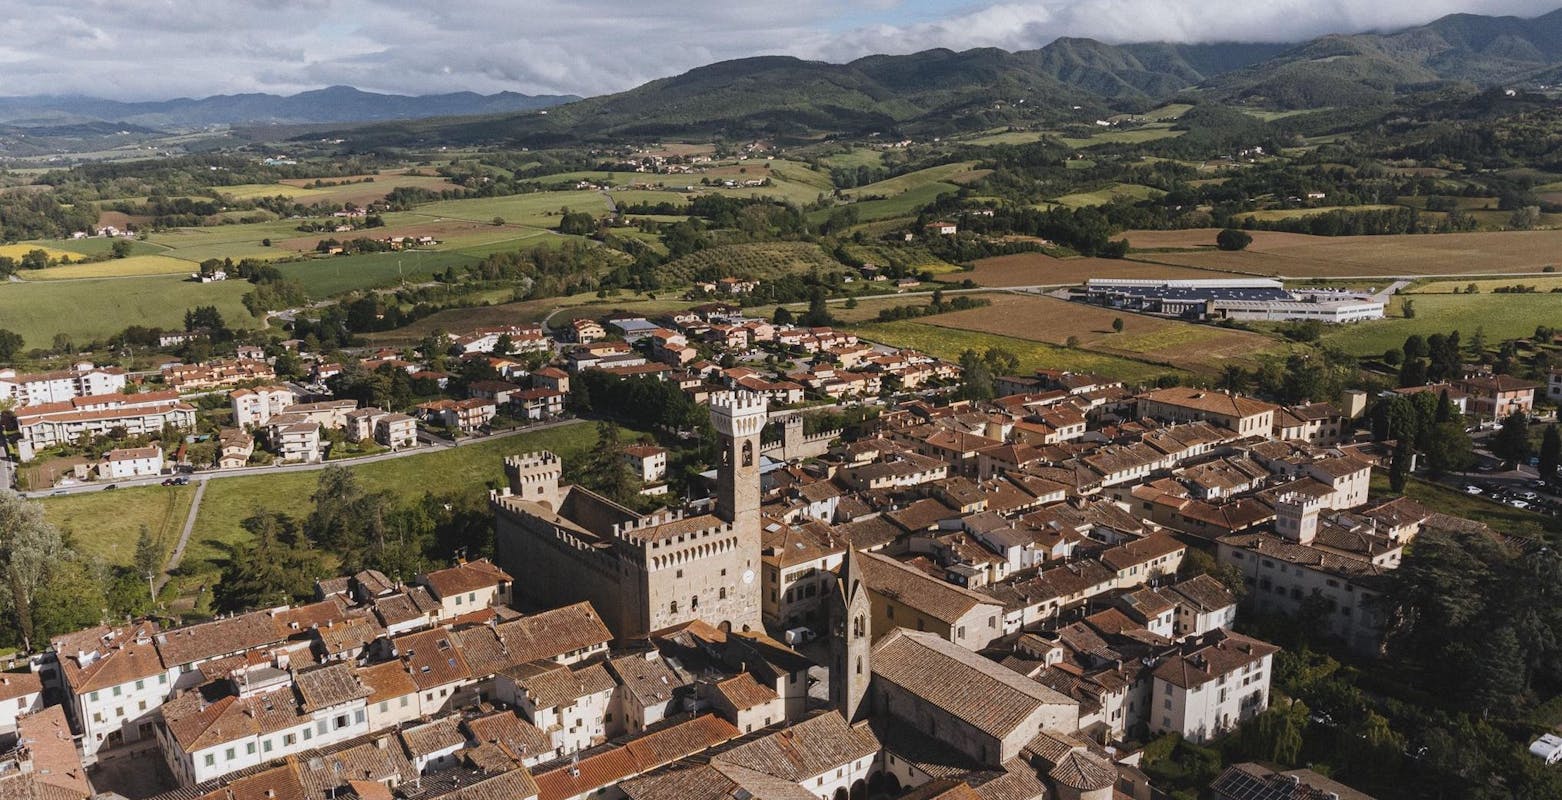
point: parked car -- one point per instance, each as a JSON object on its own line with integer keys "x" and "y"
{"x": 1472, "y": 490}
{"x": 1518, "y": 503}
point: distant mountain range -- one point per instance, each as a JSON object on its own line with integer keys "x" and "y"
{"x": 336, "y": 104}
{"x": 940, "y": 91}
{"x": 928, "y": 93}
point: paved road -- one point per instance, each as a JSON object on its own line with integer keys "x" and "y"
{"x": 184, "y": 537}
{"x": 1390, "y": 290}
{"x": 273, "y": 470}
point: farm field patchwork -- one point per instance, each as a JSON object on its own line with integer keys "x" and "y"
{"x": 949, "y": 343}
{"x": 1030, "y": 269}
{"x": 1183, "y": 345}
{"x": 1302, "y": 256}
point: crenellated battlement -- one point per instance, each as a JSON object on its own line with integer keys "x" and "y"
{"x": 662, "y": 517}
{"x": 739, "y": 414}
{"x": 1303, "y": 502}
{"x": 535, "y": 476}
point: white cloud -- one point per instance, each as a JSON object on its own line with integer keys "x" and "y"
{"x": 167, "y": 48}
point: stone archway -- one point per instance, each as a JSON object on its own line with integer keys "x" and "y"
{"x": 859, "y": 790}
{"x": 840, "y": 794}
{"x": 725, "y": 626}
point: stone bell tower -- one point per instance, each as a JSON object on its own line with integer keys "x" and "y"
{"x": 851, "y": 641}
{"x": 738, "y": 418}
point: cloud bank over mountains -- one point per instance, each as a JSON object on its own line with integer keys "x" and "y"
{"x": 161, "y": 49}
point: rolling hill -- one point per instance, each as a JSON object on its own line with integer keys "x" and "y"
{"x": 937, "y": 92}
{"x": 1366, "y": 68}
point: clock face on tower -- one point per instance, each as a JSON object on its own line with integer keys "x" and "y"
{"x": 748, "y": 576}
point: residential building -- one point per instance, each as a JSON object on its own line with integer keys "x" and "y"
{"x": 82, "y": 380}
{"x": 800, "y": 562}
{"x": 648, "y": 462}
{"x": 253, "y": 407}
{"x": 50, "y": 424}
{"x": 1246, "y": 416}
{"x": 464, "y": 416}
{"x": 467, "y": 586}
{"x": 1494, "y": 397}
{"x": 234, "y": 448}
{"x": 131, "y": 462}
{"x": 1212, "y": 684}
{"x": 571, "y": 705}
{"x": 113, "y": 679}
{"x": 212, "y": 374}
{"x": 21, "y": 693}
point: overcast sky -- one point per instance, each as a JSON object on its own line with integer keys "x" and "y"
{"x": 156, "y": 49}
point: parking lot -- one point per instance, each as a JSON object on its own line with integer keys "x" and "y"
{"x": 1517, "y": 488}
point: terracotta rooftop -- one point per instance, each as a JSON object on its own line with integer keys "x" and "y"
{"x": 940, "y": 600}
{"x": 805, "y": 750}
{"x": 462, "y": 578}
{"x": 989, "y": 697}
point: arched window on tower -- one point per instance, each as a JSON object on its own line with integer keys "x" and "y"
{"x": 748, "y": 452}
{"x": 857, "y": 627}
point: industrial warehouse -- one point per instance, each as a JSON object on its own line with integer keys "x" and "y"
{"x": 1248, "y": 299}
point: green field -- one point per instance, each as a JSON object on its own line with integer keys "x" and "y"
{"x": 900, "y": 184}
{"x": 539, "y": 210}
{"x": 1503, "y": 316}
{"x": 948, "y": 344}
{"x": 1101, "y": 197}
{"x": 322, "y": 277}
{"x": 250, "y": 191}
{"x": 1277, "y": 214}
{"x": 1543, "y": 283}
{"x": 1007, "y": 137}
{"x": 1148, "y": 133}
{"x": 97, "y": 246}
{"x": 133, "y": 266}
{"x": 901, "y": 205}
{"x": 226, "y": 241}
{"x": 855, "y": 157}
{"x": 106, "y": 524}
{"x": 471, "y": 468}
{"x": 89, "y": 309}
